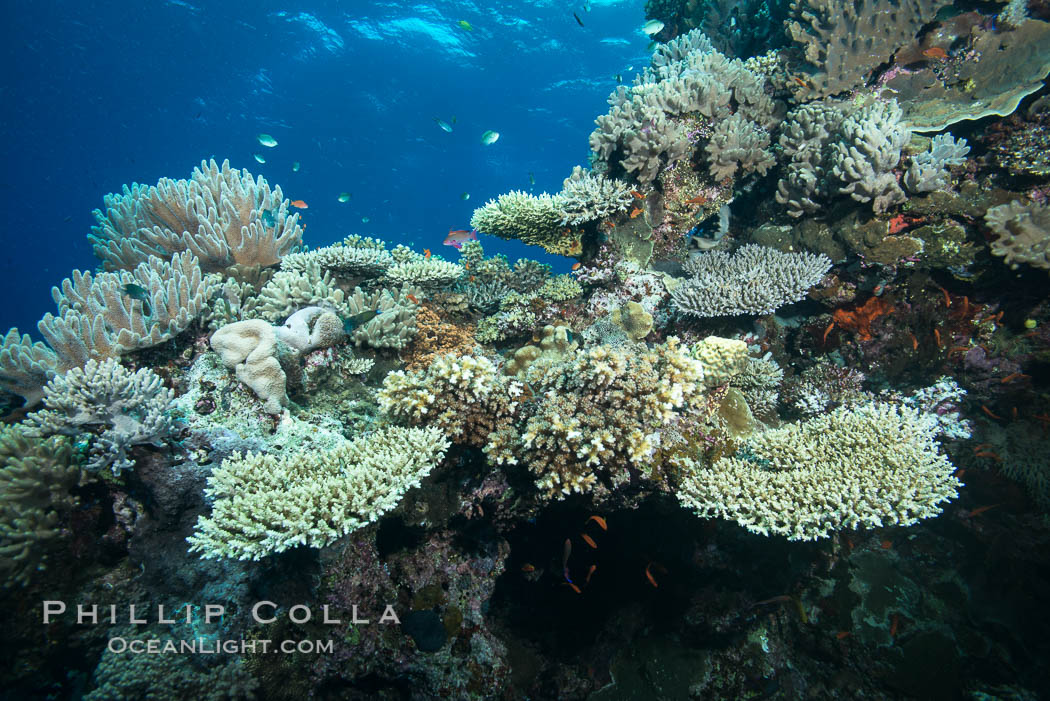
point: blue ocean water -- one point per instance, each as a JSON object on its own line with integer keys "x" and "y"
{"x": 97, "y": 95}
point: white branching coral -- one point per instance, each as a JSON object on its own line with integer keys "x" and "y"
{"x": 754, "y": 280}
{"x": 871, "y": 466}
{"x": 124, "y": 408}
{"x": 267, "y": 504}
{"x": 587, "y": 196}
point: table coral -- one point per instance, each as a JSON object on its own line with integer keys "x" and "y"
{"x": 267, "y": 504}
{"x": 865, "y": 467}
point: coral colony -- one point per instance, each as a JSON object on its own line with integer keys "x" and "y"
{"x": 783, "y": 421}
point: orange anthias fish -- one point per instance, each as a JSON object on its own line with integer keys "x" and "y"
{"x": 456, "y": 238}
{"x": 637, "y": 195}
{"x": 528, "y": 568}
{"x": 589, "y": 540}
{"x": 299, "y": 204}
{"x": 699, "y": 199}
{"x": 649, "y": 576}
{"x": 635, "y": 212}
{"x": 575, "y": 266}
{"x": 599, "y": 520}
{"x": 426, "y": 254}
{"x": 413, "y": 299}
{"x": 935, "y": 52}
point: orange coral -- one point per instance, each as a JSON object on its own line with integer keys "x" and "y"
{"x": 435, "y": 337}
{"x": 859, "y": 320}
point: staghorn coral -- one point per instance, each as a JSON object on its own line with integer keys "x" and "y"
{"x": 845, "y": 40}
{"x": 25, "y": 367}
{"x": 533, "y": 219}
{"x": 104, "y": 315}
{"x": 119, "y": 407}
{"x": 754, "y": 280}
{"x": 822, "y": 386}
{"x": 929, "y": 170}
{"x": 599, "y": 415}
{"x": 759, "y": 382}
{"x": 1023, "y": 233}
{"x": 870, "y": 148}
{"x": 871, "y": 466}
{"x": 586, "y": 196}
{"x": 221, "y": 216}
{"x": 265, "y": 504}
{"x": 36, "y": 476}
{"x": 465, "y": 396}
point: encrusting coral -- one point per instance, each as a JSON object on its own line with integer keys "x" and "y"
{"x": 266, "y": 504}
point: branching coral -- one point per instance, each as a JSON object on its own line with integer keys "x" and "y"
{"x": 221, "y": 216}
{"x": 586, "y": 196}
{"x": 122, "y": 408}
{"x": 534, "y": 219}
{"x": 872, "y": 466}
{"x": 465, "y": 396}
{"x": 430, "y": 273}
{"x": 599, "y": 416}
{"x": 267, "y": 504}
{"x": 36, "y": 476}
{"x": 754, "y": 280}
{"x": 304, "y": 285}
{"x": 351, "y": 261}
